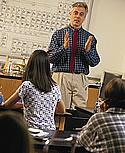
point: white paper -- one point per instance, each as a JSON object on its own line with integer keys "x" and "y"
{"x": 37, "y": 132}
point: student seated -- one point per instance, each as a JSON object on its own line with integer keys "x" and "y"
{"x": 39, "y": 92}
{"x": 105, "y": 131}
{"x": 14, "y": 135}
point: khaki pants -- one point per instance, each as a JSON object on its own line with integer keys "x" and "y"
{"x": 73, "y": 87}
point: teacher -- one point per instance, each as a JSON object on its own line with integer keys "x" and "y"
{"x": 72, "y": 50}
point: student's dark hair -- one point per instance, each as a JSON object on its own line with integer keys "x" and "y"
{"x": 14, "y": 134}
{"x": 38, "y": 71}
{"x": 114, "y": 93}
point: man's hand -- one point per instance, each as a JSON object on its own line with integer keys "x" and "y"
{"x": 66, "y": 41}
{"x": 88, "y": 44}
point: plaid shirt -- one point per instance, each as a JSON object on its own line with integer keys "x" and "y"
{"x": 105, "y": 132}
{"x": 61, "y": 57}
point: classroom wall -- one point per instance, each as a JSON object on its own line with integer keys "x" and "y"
{"x": 108, "y": 24}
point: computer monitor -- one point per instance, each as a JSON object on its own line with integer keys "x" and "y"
{"x": 106, "y": 77}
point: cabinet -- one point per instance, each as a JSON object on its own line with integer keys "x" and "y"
{"x": 10, "y": 84}
{"x": 92, "y": 97}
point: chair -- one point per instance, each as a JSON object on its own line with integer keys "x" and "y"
{"x": 73, "y": 120}
{"x": 77, "y": 118}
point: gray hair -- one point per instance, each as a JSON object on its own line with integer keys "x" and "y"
{"x": 81, "y": 4}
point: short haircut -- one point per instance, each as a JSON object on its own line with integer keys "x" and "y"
{"x": 81, "y": 4}
{"x": 114, "y": 93}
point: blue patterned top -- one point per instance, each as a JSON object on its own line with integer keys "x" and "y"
{"x": 61, "y": 57}
{"x": 39, "y": 107}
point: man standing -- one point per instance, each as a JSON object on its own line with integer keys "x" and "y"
{"x": 72, "y": 50}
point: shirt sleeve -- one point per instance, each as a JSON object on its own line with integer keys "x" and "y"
{"x": 23, "y": 89}
{"x": 92, "y": 55}
{"x": 56, "y": 51}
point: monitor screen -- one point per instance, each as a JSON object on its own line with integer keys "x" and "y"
{"x": 106, "y": 77}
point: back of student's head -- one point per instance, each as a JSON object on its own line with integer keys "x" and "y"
{"x": 38, "y": 71}
{"x": 114, "y": 93}
{"x": 14, "y": 135}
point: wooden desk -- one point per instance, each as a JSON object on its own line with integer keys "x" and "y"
{"x": 11, "y": 83}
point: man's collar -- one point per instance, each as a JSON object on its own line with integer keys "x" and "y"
{"x": 72, "y": 28}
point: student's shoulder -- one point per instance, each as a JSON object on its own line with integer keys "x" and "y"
{"x": 98, "y": 116}
{"x": 27, "y": 83}
{"x": 55, "y": 86}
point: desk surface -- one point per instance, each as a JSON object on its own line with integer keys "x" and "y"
{"x": 58, "y": 142}
{"x": 11, "y": 76}
{"x": 88, "y": 111}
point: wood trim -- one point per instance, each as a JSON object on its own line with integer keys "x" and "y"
{"x": 92, "y": 97}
